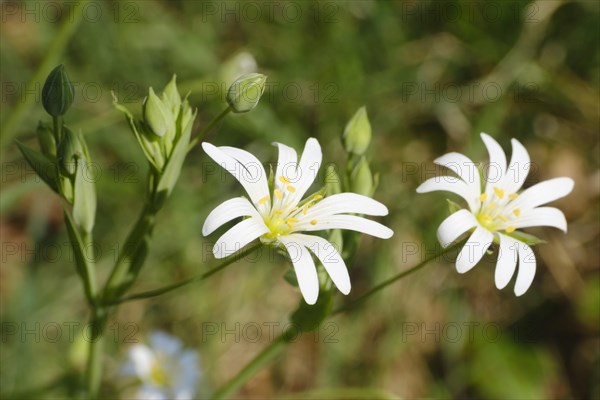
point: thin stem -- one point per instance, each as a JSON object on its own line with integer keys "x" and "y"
{"x": 59, "y": 43}
{"x": 208, "y": 127}
{"x": 93, "y": 372}
{"x": 258, "y": 362}
{"x": 393, "y": 279}
{"x": 168, "y": 288}
{"x": 57, "y": 123}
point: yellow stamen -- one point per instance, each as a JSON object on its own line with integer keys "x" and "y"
{"x": 305, "y": 209}
{"x": 499, "y": 192}
{"x": 513, "y": 196}
{"x": 483, "y": 197}
{"x": 317, "y": 197}
{"x": 291, "y": 188}
{"x": 517, "y": 212}
{"x": 313, "y": 222}
{"x": 283, "y": 179}
{"x": 492, "y": 205}
{"x": 502, "y": 218}
{"x": 263, "y": 200}
{"x": 292, "y": 220}
{"x": 510, "y": 229}
{"x": 485, "y": 218}
{"x": 277, "y": 211}
{"x": 278, "y": 194}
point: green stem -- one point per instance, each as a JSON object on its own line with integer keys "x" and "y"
{"x": 359, "y": 300}
{"x": 59, "y": 43}
{"x": 93, "y": 372}
{"x": 273, "y": 349}
{"x": 57, "y": 122}
{"x": 208, "y": 127}
{"x": 258, "y": 362}
{"x": 166, "y": 289}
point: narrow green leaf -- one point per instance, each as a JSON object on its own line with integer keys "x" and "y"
{"x": 81, "y": 262}
{"x": 526, "y": 238}
{"x": 45, "y": 168}
{"x": 453, "y": 207}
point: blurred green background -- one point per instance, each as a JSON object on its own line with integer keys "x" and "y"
{"x": 432, "y": 75}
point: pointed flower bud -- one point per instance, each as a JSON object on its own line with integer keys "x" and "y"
{"x": 157, "y": 114}
{"x": 244, "y": 94}
{"x": 171, "y": 97}
{"x": 58, "y": 92}
{"x": 357, "y": 134}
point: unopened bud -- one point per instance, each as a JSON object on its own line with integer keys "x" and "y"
{"x": 69, "y": 151}
{"x": 362, "y": 178}
{"x": 244, "y": 94}
{"x": 157, "y": 114}
{"x": 58, "y": 92}
{"x": 357, "y": 134}
{"x": 46, "y": 140}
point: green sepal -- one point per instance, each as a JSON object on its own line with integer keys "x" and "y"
{"x": 169, "y": 176}
{"x": 526, "y": 238}
{"x": 453, "y": 207}
{"x": 291, "y": 278}
{"x": 46, "y": 140}
{"x": 308, "y": 318}
{"x": 357, "y": 133}
{"x": 44, "y": 167}
{"x": 84, "y": 202}
{"x": 58, "y": 92}
{"x": 332, "y": 181}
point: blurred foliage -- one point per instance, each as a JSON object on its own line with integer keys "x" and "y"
{"x": 432, "y": 76}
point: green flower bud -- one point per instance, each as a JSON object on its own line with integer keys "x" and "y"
{"x": 69, "y": 151}
{"x": 46, "y": 140}
{"x": 357, "y": 134}
{"x": 58, "y": 92}
{"x": 333, "y": 183}
{"x": 236, "y": 66}
{"x": 157, "y": 114}
{"x": 362, "y": 179}
{"x": 244, "y": 94}
{"x": 171, "y": 97}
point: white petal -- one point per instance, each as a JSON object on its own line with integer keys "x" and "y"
{"x": 142, "y": 358}
{"x": 329, "y": 257}
{"x": 526, "y": 269}
{"x": 306, "y": 272}
{"x": 542, "y": 193}
{"x": 244, "y": 167}
{"x": 346, "y": 203}
{"x": 463, "y": 167}
{"x": 227, "y": 211}
{"x": 454, "y": 185}
{"x": 309, "y": 166}
{"x": 497, "y": 165}
{"x": 518, "y": 168}
{"x": 507, "y": 261}
{"x": 239, "y": 236}
{"x": 164, "y": 343}
{"x": 474, "y": 249}
{"x": 541, "y": 216}
{"x": 350, "y": 222}
{"x": 287, "y": 164}
{"x": 454, "y": 226}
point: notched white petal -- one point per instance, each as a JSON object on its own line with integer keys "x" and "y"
{"x": 507, "y": 261}
{"x": 228, "y": 211}
{"x": 527, "y": 265}
{"x": 474, "y": 249}
{"x": 239, "y": 236}
{"x": 454, "y": 226}
{"x": 304, "y": 266}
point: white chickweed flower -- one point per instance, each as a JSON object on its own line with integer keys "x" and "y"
{"x": 165, "y": 369}
{"x": 497, "y": 211}
{"x": 279, "y": 217}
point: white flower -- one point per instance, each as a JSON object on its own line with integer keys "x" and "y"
{"x": 278, "y": 218}
{"x": 166, "y": 370}
{"x": 498, "y": 211}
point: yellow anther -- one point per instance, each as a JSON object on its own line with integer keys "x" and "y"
{"x": 317, "y": 197}
{"x": 283, "y": 179}
{"x": 483, "y": 197}
{"x": 513, "y": 196}
{"x": 291, "y": 188}
{"x": 292, "y": 220}
{"x": 492, "y": 205}
{"x": 517, "y": 212}
{"x": 502, "y": 218}
{"x": 305, "y": 209}
{"x": 278, "y": 194}
{"x": 263, "y": 200}
{"x": 499, "y": 192}
{"x": 313, "y": 222}
{"x": 510, "y": 229}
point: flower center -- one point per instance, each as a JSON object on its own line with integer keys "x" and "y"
{"x": 158, "y": 375}
{"x": 493, "y": 213}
